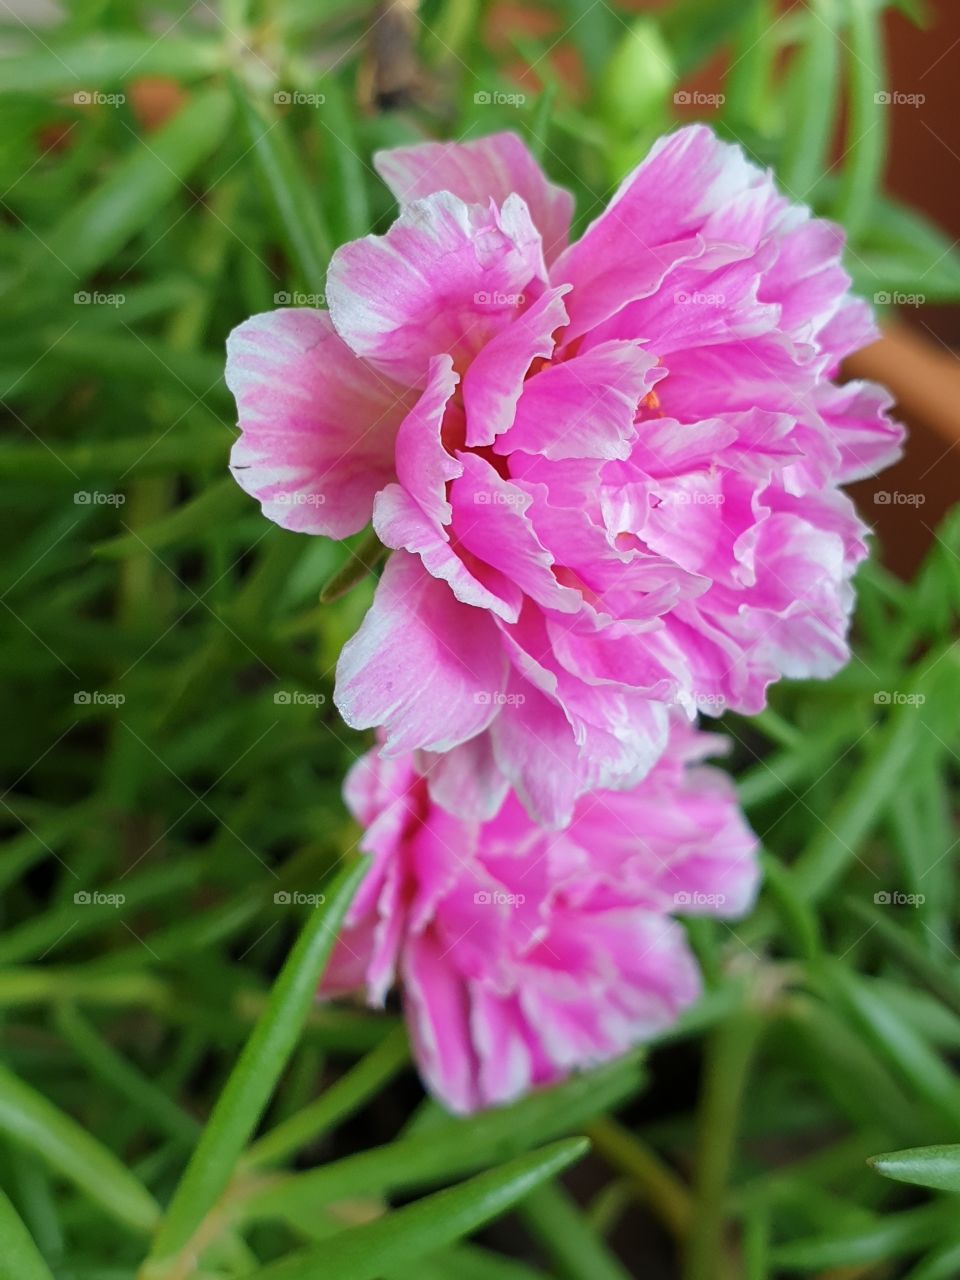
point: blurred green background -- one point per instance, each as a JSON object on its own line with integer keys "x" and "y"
{"x": 173, "y": 762}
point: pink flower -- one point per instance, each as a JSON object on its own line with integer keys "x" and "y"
{"x": 610, "y": 469}
{"x": 524, "y": 954}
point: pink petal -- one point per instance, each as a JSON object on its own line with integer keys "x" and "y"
{"x": 492, "y": 166}
{"x": 423, "y": 665}
{"x": 423, "y": 464}
{"x": 446, "y": 277}
{"x": 317, "y": 424}
{"x": 466, "y": 780}
{"x": 583, "y": 407}
{"x": 494, "y": 381}
{"x": 490, "y": 521}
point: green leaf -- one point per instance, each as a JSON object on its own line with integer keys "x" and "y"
{"x": 297, "y": 211}
{"x": 866, "y": 139}
{"x": 20, "y": 1259}
{"x": 452, "y": 1147}
{"x": 30, "y": 1120}
{"x": 865, "y": 797}
{"x": 104, "y": 62}
{"x": 364, "y": 1253}
{"x": 349, "y": 173}
{"x": 694, "y": 29}
{"x": 148, "y": 176}
{"x": 361, "y": 560}
{"x": 894, "y": 1236}
{"x": 124, "y": 1079}
{"x": 567, "y": 1237}
{"x": 897, "y": 1042}
{"x": 941, "y": 1264}
{"x": 902, "y": 251}
{"x": 936, "y": 1167}
{"x": 339, "y": 1101}
{"x": 213, "y": 505}
{"x": 812, "y": 94}
{"x": 247, "y": 1092}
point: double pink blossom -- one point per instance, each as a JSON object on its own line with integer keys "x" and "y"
{"x": 524, "y": 954}
{"x": 608, "y": 470}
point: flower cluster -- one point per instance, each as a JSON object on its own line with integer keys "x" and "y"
{"x": 609, "y": 474}
{"x": 522, "y": 952}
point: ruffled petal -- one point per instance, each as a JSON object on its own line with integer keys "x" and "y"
{"x": 422, "y": 665}
{"x": 446, "y": 277}
{"x": 493, "y": 166}
{"x": 317, "y": 424}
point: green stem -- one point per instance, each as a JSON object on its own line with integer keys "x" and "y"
{"x": 729, "y": 1056}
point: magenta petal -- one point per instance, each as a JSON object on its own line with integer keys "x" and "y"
{"x": 446, "y": 277}
{"x": 524, "y": 955}
{"x": 494, "y": 381}
{"x": 438, "y": 1014}
{"x": 490, "y": 521}
{"x": 425, "y": 667}
{"x": 493, "y": 166}
{"x": 583, "y": 407}
{"x": 466, "y": 780}
{"x": 317, "y": 424}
